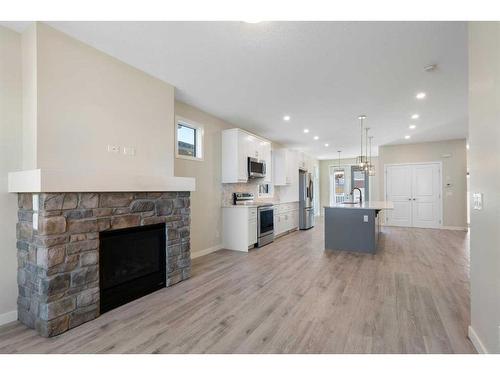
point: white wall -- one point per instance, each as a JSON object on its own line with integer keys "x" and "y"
{"x": 484, "y": 141}
{"x": 454, "y": 172}
{"x": 87, "y": 100}
{"x": 10, "y": 159}
{"x": 29, "y": 94}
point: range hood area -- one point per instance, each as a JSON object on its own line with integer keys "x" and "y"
{"x": 92, "y": 123}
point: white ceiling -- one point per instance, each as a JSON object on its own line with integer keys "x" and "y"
{"x": 322, "y": 74}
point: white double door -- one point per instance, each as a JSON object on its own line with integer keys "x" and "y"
{"x": 415, "y": 190}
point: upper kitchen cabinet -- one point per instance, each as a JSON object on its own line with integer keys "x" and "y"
{"x": 283, "y": 162}
{"x": 237, "y": 146}
{"x": 306, "y": 162}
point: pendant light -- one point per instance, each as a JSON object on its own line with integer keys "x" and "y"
{"x": 371, "y": 169}
{"x": 366, "y": 165}
{"x": 360, "y": 160}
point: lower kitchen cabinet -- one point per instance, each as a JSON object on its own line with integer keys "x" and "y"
{"x": 252, "y": 232}
{"x": 286, "y": 217}
{"x": 239, "y": 227}
{"x": 239, "y": 224}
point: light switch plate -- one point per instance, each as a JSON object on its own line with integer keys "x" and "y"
{"x": 114, "y": 149}
{"x": 477, "y": 201}
{"x": 365, "y": 218}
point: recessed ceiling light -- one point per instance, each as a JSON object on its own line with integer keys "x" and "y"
{"x": 306, "y": 130}
{"x": 286, "y": 118}
{"x": 415, "y": 116}
{"x": 412, "y": 126}
{"x": 407, "y": 137}
{"x": 316, "y": 137}
{"x": 421, "y": 95}
{"x": 326, "y": 145}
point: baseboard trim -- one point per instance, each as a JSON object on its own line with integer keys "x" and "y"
{"x": 464, "y": 229}
{"x": 8, "y": 317}
{"x": 206, "y": 251}
{"x": 476, "y": 341}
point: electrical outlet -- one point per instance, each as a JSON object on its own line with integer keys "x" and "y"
{"x": 115, "y": 149}
{"x": 477, "y": 201}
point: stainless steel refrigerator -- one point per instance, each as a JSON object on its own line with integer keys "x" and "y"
{"x": 306, "y": 205}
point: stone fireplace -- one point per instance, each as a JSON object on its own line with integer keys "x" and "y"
{"x": 58, "y": 249}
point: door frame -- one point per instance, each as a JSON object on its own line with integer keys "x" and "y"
{"x": 440, "y": 163}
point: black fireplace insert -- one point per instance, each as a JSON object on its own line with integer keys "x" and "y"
{"x": 131, "y": 264}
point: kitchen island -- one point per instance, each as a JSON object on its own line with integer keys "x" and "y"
{"x": 354, "y": 226}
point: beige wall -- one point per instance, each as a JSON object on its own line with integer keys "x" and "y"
{"x": 10, "y": 159}
{"x": 454, "y": 172}
{"x": 324, "y": 175}
{"x": 206, "y": 219}
{"x": 484, "y": 141}
{"x": 29, "y": 94}
{"x": 87, "y": 100}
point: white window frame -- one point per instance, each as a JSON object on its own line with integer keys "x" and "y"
{"x": 200, "y": 135}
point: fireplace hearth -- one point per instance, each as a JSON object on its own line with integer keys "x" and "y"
{"x": 63, "y": 241}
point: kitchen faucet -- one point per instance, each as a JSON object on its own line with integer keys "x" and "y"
{"x": 360, "y": 195}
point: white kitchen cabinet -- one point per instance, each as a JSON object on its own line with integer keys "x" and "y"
{"x": 295, "y": 218}
{"x": 252, "y": 232}
{"x": 286, "y": 218}
{"x": 305, "y": 162}
{"x": 265, "y": 154}
{"x": 282, "y": 167}
{"x": 237, "y": 146}
{"x": 239, "y": 227}
{"x": 301, "y": 159}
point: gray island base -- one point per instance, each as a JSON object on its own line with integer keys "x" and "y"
{"x": 354, "y": 227}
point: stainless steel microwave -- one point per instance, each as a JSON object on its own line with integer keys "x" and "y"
{"x": 256, "y": 168}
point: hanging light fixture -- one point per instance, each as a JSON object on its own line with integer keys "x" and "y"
{"x": 366, "y": 165}
{"x": 361, "y": 159}
{"x": 371, "y": 169}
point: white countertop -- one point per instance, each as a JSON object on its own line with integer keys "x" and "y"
{"x": 254, "y": 204}
{"x": 370, "y": 205}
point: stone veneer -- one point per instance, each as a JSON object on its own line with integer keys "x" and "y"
{"x": 58, "y": 264}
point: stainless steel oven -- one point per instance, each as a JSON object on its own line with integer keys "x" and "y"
{"x": 265, "y": 225}
{"x": 256, "y": 168}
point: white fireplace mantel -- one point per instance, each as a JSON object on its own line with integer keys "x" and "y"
{"x": 43, "y": 180}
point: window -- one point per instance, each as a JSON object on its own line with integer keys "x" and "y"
{"x": 189, "y": 140}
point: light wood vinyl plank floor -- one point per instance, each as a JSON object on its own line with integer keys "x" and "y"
{"x": 293, "y": 297}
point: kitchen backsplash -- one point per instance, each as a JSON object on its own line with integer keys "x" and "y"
{"x": 250, "y": 187}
